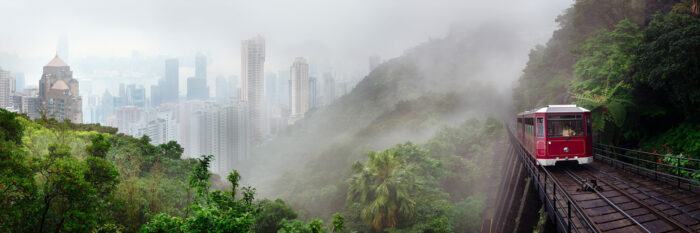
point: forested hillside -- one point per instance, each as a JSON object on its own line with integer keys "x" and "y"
{"x": 408, "y": 98}
{"x": 635, "y": 64}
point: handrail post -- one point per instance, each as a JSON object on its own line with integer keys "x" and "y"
{"x": 656, "y": 167}
{"x": 678, "y": 171}
{"x": 568, "y": 207}
{"x": 554, "y": 196}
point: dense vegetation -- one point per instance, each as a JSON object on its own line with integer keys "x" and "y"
{"x": 55, "y": 178}
{"x": 635, "y": 64}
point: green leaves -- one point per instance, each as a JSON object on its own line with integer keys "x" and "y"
{"x": 99, "y": 147}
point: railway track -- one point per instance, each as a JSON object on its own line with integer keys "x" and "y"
{"x": 615, "y": 205}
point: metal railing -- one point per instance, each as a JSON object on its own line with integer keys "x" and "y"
{"x": 678, "y": 171}
{"x": 551, "y": 193}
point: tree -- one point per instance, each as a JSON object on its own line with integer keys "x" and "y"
{"x": 386, "y": 186}
{"x": 338, "y": 222}
{"x": 171, "y": 150}
{"x": 667, "y": 61}
{"x": 99, "y": 147}
{"x": 271, "y": 213}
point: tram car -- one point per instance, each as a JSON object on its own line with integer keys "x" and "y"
{"x": 556, "y": 133}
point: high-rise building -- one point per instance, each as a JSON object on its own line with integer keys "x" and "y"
{"x": 224, "y": 89}
{"x": 314, "y": 100}
{"x": 223, "y": 132}
{"x": 197, "y": 88}
{"x": 7, "y": 88}
{"x": 271, "y": 91}
{"x": 170, "y": 90}
{"x": 126, "y": 116}
{"x": 59, "y": 96}
{"x": 253, "y": 84}
{"x": 300, "y": 88}
{"x": 328, "y": 89}
{"x": 200, "y": 66}
{"x": 135, "y": 95}
{"x": 197, "y": 85}
{"x": 374, "y": 61}
{"x": 19, "y": 81}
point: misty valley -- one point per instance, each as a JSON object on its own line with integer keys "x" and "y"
{"x": 310, "y": 117}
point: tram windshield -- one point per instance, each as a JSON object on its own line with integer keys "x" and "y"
{"x": 565, "y": 125}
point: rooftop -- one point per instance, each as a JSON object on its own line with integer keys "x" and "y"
{"x": 57, "y": 62}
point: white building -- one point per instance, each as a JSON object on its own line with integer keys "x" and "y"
{"x": 253, "y": 84}
{"x": 7, "y": 88}
{"x": 225, "y": 133}
{"x": 300, "y": 88}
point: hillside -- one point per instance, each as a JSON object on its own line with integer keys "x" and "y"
{"x": 441, "y": 82}
{"x": 633, "y": 63}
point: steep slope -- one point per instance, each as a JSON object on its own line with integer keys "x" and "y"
{"x": 436, "y": 83}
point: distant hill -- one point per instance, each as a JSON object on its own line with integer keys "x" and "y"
{"x": 440, "y": 82}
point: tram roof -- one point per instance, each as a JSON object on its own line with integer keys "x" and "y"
{"x": 556, "y": 109}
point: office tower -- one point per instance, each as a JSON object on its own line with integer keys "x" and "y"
{"x": 313, "y": 93}
{"x": 160, "y": 124}
{"x": 200, "y": 66}
{"x": 283, "y": 89}
{"x": 135, "y": 95}
{"x": 169, "y": 91}
{"x": 197, "y": 88}
{"x": 224, "y": 90}
{"x": 125, "y": 116}
{"x": 373, "y": 62}
{"x": 157, "y": 94}
{"x": 59, "y": 96}
{"x": 223, "y": 132}
{"x": 328, "y": 89}
{"x": 107, "y": 106}
{"x": 271, "y": 91}
{"x": 253, "y": 84}
{"x": 122, "y": 90}
{"x": 197, "y": 85}
{"x": 19, "y": 81}
{"x": 7, "y": 88}
{"x": 300, "y": 88}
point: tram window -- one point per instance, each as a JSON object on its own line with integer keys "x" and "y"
{"x": 540, "y": 127}
{"x": 565, "y": 125}
{"x": 589, "y": 131}
{"x": 529, "y": 126}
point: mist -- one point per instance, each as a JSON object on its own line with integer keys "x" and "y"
{"x": 442, "y": 63}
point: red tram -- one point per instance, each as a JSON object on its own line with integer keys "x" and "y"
{"x": 568, "y": 134}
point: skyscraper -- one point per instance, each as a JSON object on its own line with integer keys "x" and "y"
{"x": 7, "y": 87}
{"x": 135, "y": 95}
{"x": 328, "y": 89}
{"x": 197, "y": 85}
{"x": 253, "y": 83}
{"x": 300, "y": 88}
{"x": 59, "y": 95}
{"x": 314, "y": 100}
{"x": 170, "y": 90}
{"x": 224, "y": 89}
{"x": 19, "y": 81}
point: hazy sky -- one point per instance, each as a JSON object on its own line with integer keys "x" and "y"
{"x": 337, "y": 34}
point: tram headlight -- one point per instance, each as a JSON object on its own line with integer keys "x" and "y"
{"x": 566, "y": 150}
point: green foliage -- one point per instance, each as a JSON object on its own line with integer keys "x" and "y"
{"x": 271, "y": 213}
{"x": 668, "y": 60}
{"x": 12, "y": 130}
{"x": 162, "y": 223}
{"x": 171, "y": 150}
{"x": 338, "y": 222}
{"x": 99, "y": 147}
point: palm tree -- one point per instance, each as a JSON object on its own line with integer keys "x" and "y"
{"x": 383, "y": 188}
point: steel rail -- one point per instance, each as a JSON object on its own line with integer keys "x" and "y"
{"x": 580, "y": 180}
{"x": 648, "y": 195}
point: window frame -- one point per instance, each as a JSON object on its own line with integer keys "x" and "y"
{"x": 554, "y": 117}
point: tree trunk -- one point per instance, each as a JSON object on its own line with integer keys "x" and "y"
{"x": 695, "y": 9}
